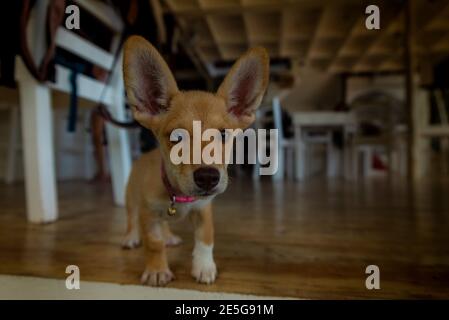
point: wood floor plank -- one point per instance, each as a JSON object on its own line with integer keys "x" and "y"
{"x": 306, "y": 240}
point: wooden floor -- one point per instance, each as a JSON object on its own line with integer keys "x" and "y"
{"x": 306, "y": 240}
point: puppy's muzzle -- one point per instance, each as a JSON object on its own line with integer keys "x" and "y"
{"x": 206, "y": 178}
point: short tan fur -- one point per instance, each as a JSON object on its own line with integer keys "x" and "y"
{"x": 160, "y": 106}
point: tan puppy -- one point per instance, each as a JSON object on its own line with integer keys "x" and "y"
{"x": 155, "y": 182}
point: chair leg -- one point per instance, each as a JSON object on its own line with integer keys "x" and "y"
{"x": 346, "y": 155}
{"x": 367, "y": 161}
{"x": 279, "y": 175}
{"x": 256, "y": 171}
{"x": 300, "y": 156}
{"x": 355, "y": 163}
{"x": 347, "y": 163}
{"x": 301, "y": 162}
{"x": 332, "y": 160}
{"x": 289, "y": 159}
{"x": 256, "y": 167}
{"x": 38, "y": 151}
{"x": 308, "y": 166}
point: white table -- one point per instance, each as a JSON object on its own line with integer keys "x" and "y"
{"x": 330, "y": 120}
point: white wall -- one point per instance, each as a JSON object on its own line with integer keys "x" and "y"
{"x": 74, "y": 152}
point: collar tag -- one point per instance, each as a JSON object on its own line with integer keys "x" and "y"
{"x": 171, "y": 210}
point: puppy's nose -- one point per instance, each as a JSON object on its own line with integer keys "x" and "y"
{"x": 206, "y": 178}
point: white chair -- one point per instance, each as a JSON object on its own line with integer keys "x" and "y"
{"x": 286, "y": 152}
{"x": 319, "y": 139}
{"x": 286, "y": 147}
{"x": 36, "y": 109}
{"x": 387, "y": 113}
{"x": 259, "y": 123}
{"x": 316, "y": 139}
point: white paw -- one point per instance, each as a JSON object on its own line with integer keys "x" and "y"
{"x": 131, "y": 240}
{"x": 173, "y": 240}
{"x": 156, "y": 278}
{"x": 204, "y": 269}
{"x": 204, "y": 272}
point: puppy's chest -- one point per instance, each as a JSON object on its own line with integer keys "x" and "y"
{"x": 181, "y": 210}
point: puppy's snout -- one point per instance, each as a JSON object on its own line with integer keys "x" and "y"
{"x": 206, "y": 178}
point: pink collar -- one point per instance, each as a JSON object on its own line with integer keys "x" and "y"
{"x": 175, "y": 197}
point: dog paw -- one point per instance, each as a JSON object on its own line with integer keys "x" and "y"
{"x": 156, "y": 278}
{"x": 173, "y": 240}
{"x": 204, "y": 271}
{"x": 131, "y": 241}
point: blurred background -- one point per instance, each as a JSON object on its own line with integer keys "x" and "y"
{"x": 359, "y": 95}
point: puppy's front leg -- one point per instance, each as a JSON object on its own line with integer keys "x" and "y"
{"x": 203, "y": 265}
{"x": 157, "y": 272}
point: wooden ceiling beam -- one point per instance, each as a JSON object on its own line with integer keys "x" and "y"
{"x": 436, "y": 10}
{"x": 390, "y": 18}
{"x": 227, "y": 7}
{"x": 355, "y": 21}
{"x": 313, "y": 40}
{"x": 325, "y": 33}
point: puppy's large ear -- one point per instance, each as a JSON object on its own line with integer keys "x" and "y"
{"x": 149, "y": 83}
{"x": 244, "y": 86}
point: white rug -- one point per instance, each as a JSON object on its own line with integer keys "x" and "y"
{"x": 21, "y": 287}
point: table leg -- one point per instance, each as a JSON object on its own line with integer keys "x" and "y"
{"x": 300, "y": 156}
